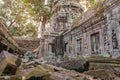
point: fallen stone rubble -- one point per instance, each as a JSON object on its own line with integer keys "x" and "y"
{"x": 77, "y": 65}
{"x": 101, "y": 67}
{"x": 8, "y": 64}
{"x": 49, "y": 72}
{"x": 104, "y": 68}
{"x": 31, "y": 70}
{"x": 13, "y": 67}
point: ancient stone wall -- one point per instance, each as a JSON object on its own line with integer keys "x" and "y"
{"x": 96, "y": 32}
{"x": 112, "y": 13}
{"x": 28, "y": 44}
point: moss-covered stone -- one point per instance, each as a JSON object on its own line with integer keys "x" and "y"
{"x": 8, "y": 61}
{"x": 102, "y": 74}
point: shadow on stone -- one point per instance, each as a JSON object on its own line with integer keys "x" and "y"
{"x": 35, "y": 78}
{"x": 7, "y": 63}
{"x": 9, "y": 70}
{"x": 77, "y": 65}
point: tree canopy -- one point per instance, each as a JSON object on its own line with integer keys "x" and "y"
{"x": 23, "y": 16}
{"x": 17, "y": 18}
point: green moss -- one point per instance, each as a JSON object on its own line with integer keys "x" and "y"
{"x": 99, "y": 10}
{"x": 76, "y": 21}
{"x": 99, "y": 58}
{"x": 81, "y": 58}
{"x": 66, "y": 58}
{"x": 37, "y": 71}
{"x": 92, "y": 66}
{"x": 16, "y": 77}
{"x": 101, "y": 73}
{"x": 118, "y": 58}
{"x": 75, "y": 78}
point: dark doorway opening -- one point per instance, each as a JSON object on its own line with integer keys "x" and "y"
{"x": 36, "y": 78}
{"x": 114, "y": 40}
{"x": 79, "y": 46}
{"x": 11, "y": 50}
{"x": 9, "y": 70}
{"x": 2, "y": 47}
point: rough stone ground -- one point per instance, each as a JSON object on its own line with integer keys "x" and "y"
{"x": 77, "y": 65}
{"x": 46, "y": 72}
{"x": 97, "y": 66}
{"x": 104, "y": 68}
{"x": 93, "y": 68}
{"x": 32, "y": 70}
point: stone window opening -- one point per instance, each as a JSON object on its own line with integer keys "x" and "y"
{"x": 79, "y": 46}
{"x": 95, "y": 43}
{"x": 51, "y": 47}
{"x": 70, "y": 48}
{"x": 65, "y": 47}
{"x": 114, "y": 40}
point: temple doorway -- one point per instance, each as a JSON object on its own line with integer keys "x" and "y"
{"x": 95, "y": 43}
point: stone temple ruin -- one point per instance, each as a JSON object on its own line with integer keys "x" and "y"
{"x": 85, "y": 45}
{"x": 78, "y": 33}
{"x": 17, "y": 65}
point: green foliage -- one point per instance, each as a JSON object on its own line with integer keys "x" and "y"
{"x": 89, "y": 3}
{"x": 38, "y": 9}
{"x": 21, "y": 15}
{"x": 29, "y": 30}
{"x": 98, "y": 8}
{"x": 17, "y": 17}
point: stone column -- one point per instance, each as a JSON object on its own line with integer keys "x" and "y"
{"x": 109, "y": 34}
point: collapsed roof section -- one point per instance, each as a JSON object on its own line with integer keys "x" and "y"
{"x": 6, "y": 40}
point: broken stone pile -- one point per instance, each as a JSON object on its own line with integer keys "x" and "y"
{"x": 77, "y": 65}
{"x": 8, "y": 64}
{"x": 103, "y": 68}
{"x": 11, "y": 68}
{"x": 49, "y": 72}
{"x": 30, "y": 56}
{"x": 93, "y": 68}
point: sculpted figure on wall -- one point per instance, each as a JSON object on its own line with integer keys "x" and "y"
{"x": 106, "y": 39}
{"x": 115, "y": 31}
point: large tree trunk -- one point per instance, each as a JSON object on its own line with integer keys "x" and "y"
{"x": 43, "y": 24}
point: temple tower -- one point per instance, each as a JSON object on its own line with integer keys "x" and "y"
{"x": 64, "y": 12}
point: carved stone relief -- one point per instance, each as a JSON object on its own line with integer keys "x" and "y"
{"x": 106, "y": 39}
